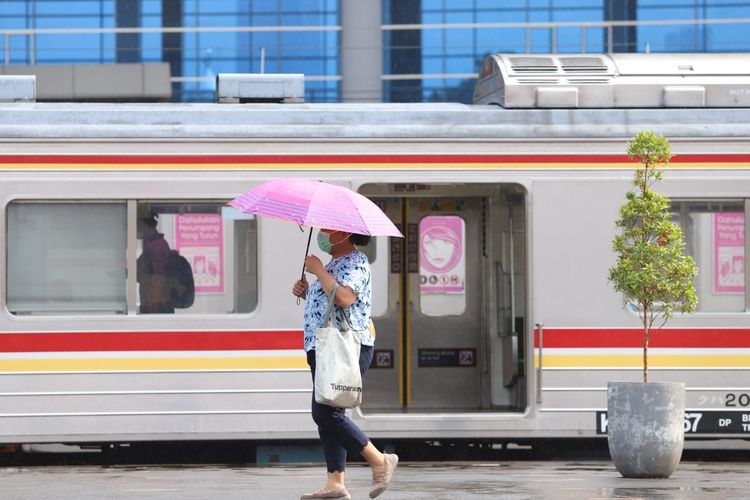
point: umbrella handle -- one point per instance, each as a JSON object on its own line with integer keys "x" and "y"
{"x": 307, "y": 250}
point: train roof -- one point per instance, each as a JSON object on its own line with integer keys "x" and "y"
{"x": 355, "y": 121}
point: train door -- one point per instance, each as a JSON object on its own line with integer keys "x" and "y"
{"x": 442, "y": 335}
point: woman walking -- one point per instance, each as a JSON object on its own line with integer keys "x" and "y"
{"x": 338, "y": 434}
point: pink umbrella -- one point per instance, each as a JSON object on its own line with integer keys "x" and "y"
{"x": 316, "y": 204}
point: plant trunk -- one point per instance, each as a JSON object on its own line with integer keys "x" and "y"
{"x": 645, "y": 343}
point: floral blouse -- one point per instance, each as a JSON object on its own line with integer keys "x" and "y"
{"x": 352, "y": 270}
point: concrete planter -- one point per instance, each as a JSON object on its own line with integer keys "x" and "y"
{"x": 645, "y": 427}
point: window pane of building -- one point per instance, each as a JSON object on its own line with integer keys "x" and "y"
{"x": 196, "y": 58}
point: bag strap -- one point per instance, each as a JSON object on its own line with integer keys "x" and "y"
{"x": 344, "y": 319}
{"x": 330, "y": 309}
{"x": 331, "y": 300}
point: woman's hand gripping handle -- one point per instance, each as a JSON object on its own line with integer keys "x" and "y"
{"x": 300, "y": 288}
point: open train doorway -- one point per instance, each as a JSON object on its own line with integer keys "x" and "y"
{"x": 449, "y": 300}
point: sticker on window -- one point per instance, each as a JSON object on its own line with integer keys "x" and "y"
{"x": 729, "y": 252}
{"x": 442, "y": 268}
{"x": 199, "y": 238}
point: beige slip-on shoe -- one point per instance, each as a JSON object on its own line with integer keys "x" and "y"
{"x": 322, "y": 493}
{"x": 381, "y": 480}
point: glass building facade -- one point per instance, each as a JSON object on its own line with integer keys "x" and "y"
{"x": 429, "y": 50}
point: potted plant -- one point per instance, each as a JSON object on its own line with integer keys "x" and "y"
{"x": 645, "y": 420}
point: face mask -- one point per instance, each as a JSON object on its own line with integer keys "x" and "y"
{"x": 323, "y": 242}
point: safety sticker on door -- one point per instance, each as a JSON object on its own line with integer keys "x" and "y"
{"x": 442, "y": 255}
{"x": 447, "y": 357}
{"x": 382, "y": 358}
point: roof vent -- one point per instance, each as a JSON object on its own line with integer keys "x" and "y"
{"x": 18, "y": 88}
{"x": 583, "y": 64}
{"x": 265, "y": 87}
{"x": 532, "y": 64}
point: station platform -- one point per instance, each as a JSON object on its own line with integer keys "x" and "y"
{"x": 592, "y": 480}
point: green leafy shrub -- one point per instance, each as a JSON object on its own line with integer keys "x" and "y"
{"x": 652, "y": 271}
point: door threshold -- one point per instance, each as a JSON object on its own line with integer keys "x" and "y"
{"x": 442, "y": 411}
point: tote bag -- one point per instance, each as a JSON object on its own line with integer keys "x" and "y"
{"x": 338, "y": 381}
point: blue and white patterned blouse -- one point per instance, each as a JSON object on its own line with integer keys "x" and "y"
{"x": 352, "y": 270}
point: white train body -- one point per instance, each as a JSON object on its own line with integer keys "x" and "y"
{"x": 530, "y": 196}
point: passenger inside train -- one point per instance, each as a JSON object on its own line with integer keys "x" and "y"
{"x": 152, "y": 268}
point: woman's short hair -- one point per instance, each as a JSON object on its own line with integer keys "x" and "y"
{"x": 359, "y": 239}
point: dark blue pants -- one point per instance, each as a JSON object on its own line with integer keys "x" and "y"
{"x": 337, "y": 432}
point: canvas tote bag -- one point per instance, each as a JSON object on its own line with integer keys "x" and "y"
{"x": 338, "y": 381}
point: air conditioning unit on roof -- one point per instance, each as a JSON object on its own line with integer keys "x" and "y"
{"x": 263, "y": 87}
{"x": 615, "y": 81}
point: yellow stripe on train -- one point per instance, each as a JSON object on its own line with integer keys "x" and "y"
{"x": 636, "y": 361}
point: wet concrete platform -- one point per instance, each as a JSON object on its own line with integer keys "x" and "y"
{"x": 499, "y": 480}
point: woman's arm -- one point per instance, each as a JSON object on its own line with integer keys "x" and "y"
{"x": 345, "y": 296}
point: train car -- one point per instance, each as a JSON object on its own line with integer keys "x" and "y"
{"x": 495, "y": 319}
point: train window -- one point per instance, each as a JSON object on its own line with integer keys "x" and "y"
{"x": 442, "y": 265}
{"x": 714, "y": 235}
{"x": 380, "y": 273}
{"x": 219, "y": 246}
{"x": 66, "y": 258}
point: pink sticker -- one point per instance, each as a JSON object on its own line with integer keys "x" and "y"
{"x": 441, "y": 254}
{"x": 729, "y": 252}
{"x": 200, "y": 239}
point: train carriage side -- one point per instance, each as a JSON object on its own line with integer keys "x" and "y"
{"x": 586, "y": 335}
{"x": 84, "y": 361}
{"x": 494, "y": 317}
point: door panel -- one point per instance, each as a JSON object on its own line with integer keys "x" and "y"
{"x": 450, "y": 336}
{"x": 445, "y": 305}
{"x": 383, "y": 386}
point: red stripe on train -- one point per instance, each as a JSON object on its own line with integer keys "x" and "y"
{"x": 150, "y": 341}
{"x": 334, "y": 159}
{"x": 633, "y": 337}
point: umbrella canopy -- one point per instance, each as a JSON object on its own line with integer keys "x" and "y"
{"x": 316, "y": 204}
